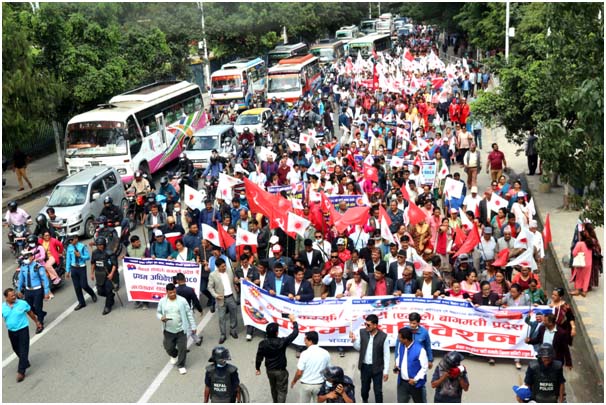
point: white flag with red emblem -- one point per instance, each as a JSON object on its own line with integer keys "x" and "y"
{"x": 396, "y": 161}
{"x": 497, "y": 202}
{"x": 314, "y": 196}
{"x": 453, "y": 188}
{"x": 532, "y": 211}
{"x": 297, "y": 224}
{"x": 443, "y": 171}
{"x": 193, "y": 198}
{"x": 211, "y": 234}
{"x": 369, "y": 160}
{"x": 385, "y": 232}
{"x": 524, "y": 240}
{"x": 295, "y": 147}
{"x": 467, "y": 224}
{"x": 526, "y": 259}
{"x": 297, "y": 204}
{"x": 423, "y": 145}
{"x": 245, "y": 238}
{"x": 304, "y": 138}
{"x": 419, "y": 264}
{"x": 224, "y": 188}
{"x": 265, "y": 153}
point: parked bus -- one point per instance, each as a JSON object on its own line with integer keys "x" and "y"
{"x": 347, "y": 32}
{"x": 328, "y": 51}
{"x": 385, "y": 24}
{"x": 286, "y": 51}
{"x": 237, "y": 81}
{"x": 294, "y": 77}
{"x": 368, "y": 26}
{"x": 142, "y": 129}
{"x": 366, "y": 45}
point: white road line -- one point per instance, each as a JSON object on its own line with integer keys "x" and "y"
{"x": 54, "y": 323}
{"x": 151, "y": 390}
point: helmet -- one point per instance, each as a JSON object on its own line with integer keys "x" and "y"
{"x": 228, "y": 141}
{"x": 108, "y": 200}
{"x": 182, "y": 156}
{"x": 164, "y": 180}
{"x": 318, "y": 122}
{"x": 282, "y": 99}
{"x": 278, "y": 115}
{"x": 453, "y": 359}
{"x": 102, "y": 219}
{"x": 41, "y": 219}
{"x": 245, "y": 155}
{"x": 333, "y": 373}
{"x": 32, "y": 239}
{"x": 273, "y": 98}
{"x": 220, "y": 355}
{"x": 12, "y": 206}
{"x": 545, "y": 350}
{"x": 246, "y": 129}
{"x": 276, "y": 127}
{"x": 151, "y": 197}
{"x": 138, "y": 174}
{"x": 101, "y": 241}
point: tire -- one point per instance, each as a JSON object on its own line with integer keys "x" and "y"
{"x": 132, "y": 220}
{"x": 16, "y": 279}
{"x": 89, "y": 228}
{"x": 244, "y": 395}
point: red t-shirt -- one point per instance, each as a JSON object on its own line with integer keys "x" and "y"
{"x": 381, "y": 288}
{"x": 496, "y": 158}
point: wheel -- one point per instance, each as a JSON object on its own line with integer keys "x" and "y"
{"x": 132, "y": 220}
{"x": 124, "y": 205}
{"x": 244, "y": 396}
{"x": 89, "y": 228}
{"x": 16, "y": 279}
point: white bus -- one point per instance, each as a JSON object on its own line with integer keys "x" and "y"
{"x": 237, "y": 81}
{"x": 286, "y": 51}
{"x": 294, "y": 77}
{"x": 142, "y": 129}
{"x": 328, "y": 51}
{"x": 369, "y": 43}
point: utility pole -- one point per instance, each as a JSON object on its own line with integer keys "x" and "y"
{"x": 506, "y": 32}
{"x": 369, "y": 10}
{"x": 204, "y": 47}
{"x": 379, "y": 8}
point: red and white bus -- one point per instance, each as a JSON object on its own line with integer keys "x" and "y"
{"x": 294, "y": 77}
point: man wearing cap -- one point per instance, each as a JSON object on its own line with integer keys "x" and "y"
{"x": 484, "y": 211}
{"x": 486, "y": 249}
{"x": 278, "y": 283}
{"x": 279, "y": 257}
{"x": 310, "y": 257}
{"x": 408, "y": 283}
{"x": 160, "y": 248}
{"x": 470, "y": 203}
{"x": 429, "y": 285}
{"x": 33, "y": 279}
{"x": 76, "y": 255}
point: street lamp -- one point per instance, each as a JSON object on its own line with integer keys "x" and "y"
{"x": 204, "y": 47}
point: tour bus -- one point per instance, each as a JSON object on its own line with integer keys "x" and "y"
{"x": 142, "y": 129}
{"x": 366, "y": 45}
{"x": 294, "y": 77}
{"x": 237, "y": 81}
{"x": 368, "y": 26}
{"x": 328, "y": 50}
{"x": 286, "y": 51}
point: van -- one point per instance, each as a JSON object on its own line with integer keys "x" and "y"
{"x": 200, "y": 145}
{"x": 78, "y": 200}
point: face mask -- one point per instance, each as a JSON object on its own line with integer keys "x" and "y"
{"x": 220, "y": 365}
{"x": 177, "y": 209}
{"x": 328, "y": 384}
{"x": 26, "y": 261}
{"x": 101, "y": 226}
{"x": 32, "y": 245}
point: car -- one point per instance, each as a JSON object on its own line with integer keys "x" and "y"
{"x": 254, "y": 119}
{"x": 78, "y": 200}
{"x": 199, "y": 146}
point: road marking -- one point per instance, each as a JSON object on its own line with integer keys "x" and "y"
{"x": 151, "y": 390}
{"x": 54, "y": 323}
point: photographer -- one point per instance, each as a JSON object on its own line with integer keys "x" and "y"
{"x": 338, "y": 388}
{"x": 450, "y": 379}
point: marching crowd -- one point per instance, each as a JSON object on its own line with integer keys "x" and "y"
{"x": 430, "y": 235}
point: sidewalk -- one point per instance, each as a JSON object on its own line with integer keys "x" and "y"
{"x": 41, "y": 172}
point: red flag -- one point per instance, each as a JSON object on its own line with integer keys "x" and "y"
{"x": 383, "y": 214}
{"x": 374, "y": 55}
{"x": 418, "y": 161}
{"x": 316, "y": 217}
{"x": 437, "y": 82}
{"x": 501, "y": 259}
{"x": 408, "y": 56}
{"x": 279, "y": 212}
{"x": 375, "y": 77}
{"x": 547, "y": 232}
{"x": 327, "y": 207}
{"x": 353, "y": 216}
{"x": 459, "y": 238}
{"x": 258, "y": 199}
{"x": 405, "y": 192}
{"x": 415, "y": 214}
{"x": 224, "y": 238}
{"x": 371, "y": 173}
{"x": 473, "y": 239}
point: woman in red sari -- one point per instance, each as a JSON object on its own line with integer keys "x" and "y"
{"x": 582, "y": 275}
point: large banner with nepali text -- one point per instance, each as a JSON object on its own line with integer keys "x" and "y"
{"x": 452, "y": 324}
{"x": 146, "y": 279}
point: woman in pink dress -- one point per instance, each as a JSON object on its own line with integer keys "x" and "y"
{"x": 581, "y": 275}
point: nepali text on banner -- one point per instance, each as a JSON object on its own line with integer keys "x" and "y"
{"x": 296, "y": 190}
{"x": 452, "y": 324}
{"x": 146, "y": 279}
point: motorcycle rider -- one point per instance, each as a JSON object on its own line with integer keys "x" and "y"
{"x": 43, "y": 225}
{"x": 168, "y": 191}
{"x": 112, "y": 212}
{"x": 222, "y": 383}
{"x": 104, "y": 269}
{"x": 109, "y": 233}
{"x": 246, "y": 134}
{"x": 289, "y": 113}
{"x": 15, "y": 216}
{"x": 216, "y": 165}
{"x": 140, "y": 185}
{"x": 34, "y": 280}
{"x": 247, "y": 163}
{"x": 273, "y": 104}
{"x": 337, "y": 386}
{"x": 186, "y": 167}
{"x": 282, "y": 106}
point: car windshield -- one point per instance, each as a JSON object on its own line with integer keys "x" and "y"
{"x": 283, "y": 83}
{"x": 367, "y": 25}
{"x": 247, "y": 119}
{"x": 226, "y": 84}
{"x": 68, "y": 196}
{"x": 203, "y": 143}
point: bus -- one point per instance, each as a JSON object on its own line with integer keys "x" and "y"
{"x": 142, "y": 129}
{"x": 347, "y": 32}
{"x": 294, "y": 77}
{"x": 237, "y": 81}
{"x": 328, "y": 51}
{"x": 286, "y": 51}
{"x": 368, "y": 26}
{"x": 366, "y": 45}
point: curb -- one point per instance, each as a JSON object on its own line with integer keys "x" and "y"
{"x": 28, "y": 194}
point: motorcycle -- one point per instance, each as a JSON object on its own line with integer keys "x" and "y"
{"x": 210, "y": 187}
{"x": 20, "y": 233}
{"x": 59, "y": 269}
{"x": 134, "y": 212}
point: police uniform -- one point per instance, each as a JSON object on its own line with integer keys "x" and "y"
{"x": 103, "y": 260}
{"x": 223, "y": 382}
{"x": 544, "y": 382}
{"x": 33, "y": 279}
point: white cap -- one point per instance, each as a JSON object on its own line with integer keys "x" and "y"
{"x": 474, "y": 189}
{"x": 274, "y": 239}
{"x": 532, "y": 223}
{"x": 158, "y": 232}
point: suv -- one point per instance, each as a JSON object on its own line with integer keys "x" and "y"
{"x": 199, "y": 146}
{"x": 78, "y": 200}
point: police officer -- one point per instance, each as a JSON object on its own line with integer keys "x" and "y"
{"x": 104, "y": 268}
{"x": 222, "y": 383}
{"x": 337, "y": 387}
{"x": 545, "y": 376}
{"x": 76, "y": 255}
{"x": 33, "y": 278}
{"x": 168, "y": 191}
{"x": 186, "y": 167}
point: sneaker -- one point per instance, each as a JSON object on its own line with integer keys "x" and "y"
{"x": 182, "y": 370}
{"x": 518, "y": 365}
{"x": 138, "y": 304}
{"x": 57, "y": 281}
{"x": 491, "y": 362}
{"x": 173, "y": 360}
{"x": 248, "y": 338}
{"x": 341, "y": 354}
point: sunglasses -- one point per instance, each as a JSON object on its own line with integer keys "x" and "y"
{"x": 367, "y": 324}
{"x": 334, "y": 257}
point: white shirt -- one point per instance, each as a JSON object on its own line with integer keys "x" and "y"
{"x": 488, "y": 248}
{"x": 404, "y": 365}
{"x": 258, "y": 178}
{"x": 324, "y": 247}
{"x": 312, "y": 362}
{"x": 368, "y": 355}
{"x": 293, "y": 177}
{"x": 549, "y": 334}
{"x": 537, "y": 241}
{"x": 340, "y": 288}
{"x": 426, "y": 289}
{"x": 470, "y": 203}
{"x": 262, "y": 279}
{"x": 226, "y": 284}
{"x": 519, "y": 210}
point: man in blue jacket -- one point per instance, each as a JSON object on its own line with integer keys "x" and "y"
{"x": 411, "y": 368}
{"x": 303, "y": 291}
{"x": 278, "y": 283}
{"x": 76, "y": 256}
{"x": 420, "y": 336}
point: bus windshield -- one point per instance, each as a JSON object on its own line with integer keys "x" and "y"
{"x": 283, "y": 83}
{"x": 363, "y": 48}
{"x": 324, "y": 53}
{"x": 96, "y": 138}
{"x": 274, "y": 58}
{"x": 344, "y": 34}
{"x": 226, "y": 84}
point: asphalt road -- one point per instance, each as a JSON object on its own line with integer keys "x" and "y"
{"x": 86, "y": 357}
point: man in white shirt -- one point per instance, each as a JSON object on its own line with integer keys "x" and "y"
{"x": 413, "y": 360}
{"x": 537, "y": 241}
{"x": 258, "y": 177}
{"x": 487, "y": 249}
{"x": 322, "y": 245}
{"x": 311, "y": 364}
{"x": 294, "y": 175}
{"x": 471, "y": 201}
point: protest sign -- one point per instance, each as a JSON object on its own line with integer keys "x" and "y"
{"x": 351, "y": 200}
{"x": 146, "y": 279}
{"x": 452, "y": 324}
